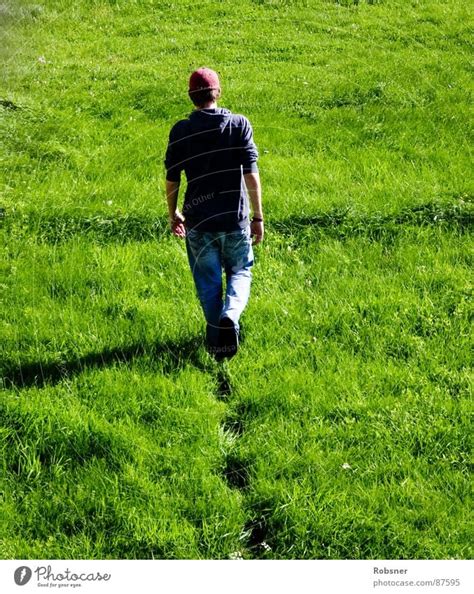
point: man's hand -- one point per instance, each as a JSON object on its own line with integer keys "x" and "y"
{"x": 177, "y": 225}
{"x": 257, "y": 231}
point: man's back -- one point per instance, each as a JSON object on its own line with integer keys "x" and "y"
{"x": 215, "y": 148}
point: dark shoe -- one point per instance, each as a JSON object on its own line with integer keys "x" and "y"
{"x": 228, "y": 339}
{"x": 210, "y": 339}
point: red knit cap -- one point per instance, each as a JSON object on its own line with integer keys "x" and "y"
{"x": 204, "y": 78}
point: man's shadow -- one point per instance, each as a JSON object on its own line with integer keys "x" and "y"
{"x": 170, "y": 356}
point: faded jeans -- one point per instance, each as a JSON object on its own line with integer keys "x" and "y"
{"x": 209, "y": 253}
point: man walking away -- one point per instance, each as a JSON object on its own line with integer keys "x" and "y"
{"x": 215, "y": 148}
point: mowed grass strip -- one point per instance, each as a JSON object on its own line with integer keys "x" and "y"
{"x": 114, "y": 226}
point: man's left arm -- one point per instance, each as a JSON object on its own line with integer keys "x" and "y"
{"x": 249, "y": 158}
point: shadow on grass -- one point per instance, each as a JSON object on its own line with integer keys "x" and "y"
{"x": 171, "y": 356}
{"x": 236, "y": 472}
{"x": 224, "y": 386}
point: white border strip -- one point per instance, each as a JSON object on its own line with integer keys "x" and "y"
{"x": 236, "y": 577}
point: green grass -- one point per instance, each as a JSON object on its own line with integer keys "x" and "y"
{"x": 341, "y": 430}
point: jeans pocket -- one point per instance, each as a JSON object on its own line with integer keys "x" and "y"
{"x": 238, "y": 250}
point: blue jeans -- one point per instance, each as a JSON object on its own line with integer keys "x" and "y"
{"x": 209, "y": 253}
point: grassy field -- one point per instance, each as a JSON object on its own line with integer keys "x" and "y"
{"x": 341, "y": 430}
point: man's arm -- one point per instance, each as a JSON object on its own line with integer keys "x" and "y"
{"x": 175, "y": 217}
{"x": 254, "y": 190}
